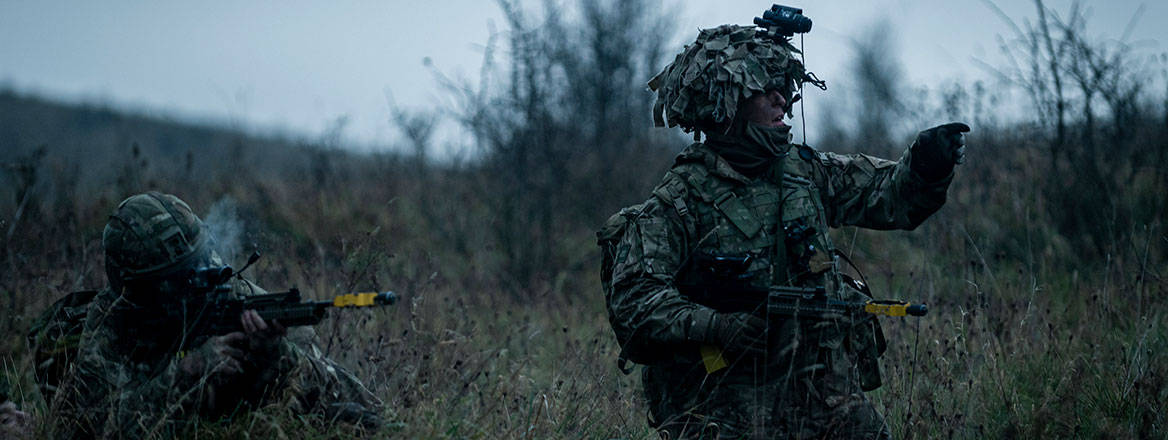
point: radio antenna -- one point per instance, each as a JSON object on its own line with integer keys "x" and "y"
{"x": 802, "y": 110}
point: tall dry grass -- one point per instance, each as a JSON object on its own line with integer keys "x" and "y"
{"x": 1046, "y": 288}
{"x": 1027, "y": 338}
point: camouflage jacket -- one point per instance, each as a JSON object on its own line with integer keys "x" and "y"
{"x": 776, "y": 225}
{"x": 124, "y": 385}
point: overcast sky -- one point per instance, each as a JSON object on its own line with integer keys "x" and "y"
{"x": 298, "y": 66}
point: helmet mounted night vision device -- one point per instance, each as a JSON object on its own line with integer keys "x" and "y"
{"x": 783, "y": 21}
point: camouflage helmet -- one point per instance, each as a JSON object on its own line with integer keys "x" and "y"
{"x": 702, "y": 87}
{"x": 151, "y": 235}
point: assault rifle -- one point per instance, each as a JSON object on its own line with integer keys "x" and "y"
{"x": 807, "y": 303}
{"x": 220, "y": 315}
{"x": 208, "y": 307}
{"x": 812, "y": 303}
{"x": 801, "y": 302}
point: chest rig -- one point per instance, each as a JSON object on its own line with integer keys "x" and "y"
{"x": 767, "y": 231}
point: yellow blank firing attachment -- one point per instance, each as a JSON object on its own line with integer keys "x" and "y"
{"x": 365, "y": 299}
{"x": 895, "y": 308}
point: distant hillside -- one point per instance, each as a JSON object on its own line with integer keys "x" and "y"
{"x": 109, "y": 152}
{"x": 105, "y": 136}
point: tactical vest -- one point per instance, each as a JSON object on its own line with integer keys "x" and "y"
{"x": 767, "y": 231}
{"x": 774, "y": 227}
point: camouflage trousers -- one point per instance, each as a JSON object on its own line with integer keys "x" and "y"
{"x": 745, "y": 402}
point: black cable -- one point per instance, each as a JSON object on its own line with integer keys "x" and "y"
{"x": 802, "y": 111}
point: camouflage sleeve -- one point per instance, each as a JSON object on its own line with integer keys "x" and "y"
{"x": 313, "y": 382}
{"x": 861, "y": 190}
{"x": 318, "y": 385}
{"x": 109, "y": 396}
{"x": 647, "y": 312}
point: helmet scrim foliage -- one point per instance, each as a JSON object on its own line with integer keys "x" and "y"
{"x": 150, "y": 235}
{"x": 701, "y": 89}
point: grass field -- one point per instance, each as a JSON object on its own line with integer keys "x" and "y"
{"x": 1030, "y": 334}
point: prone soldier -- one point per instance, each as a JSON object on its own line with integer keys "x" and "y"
{"x": 140, "y": 370}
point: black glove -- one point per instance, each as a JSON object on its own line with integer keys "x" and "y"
{"x": 738, "y": 333}
{"x": 938, "y": 149}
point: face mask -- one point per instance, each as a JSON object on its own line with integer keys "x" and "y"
{"x": 751, "y": 148}
{"x": 768, "y": 139}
